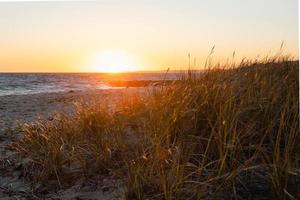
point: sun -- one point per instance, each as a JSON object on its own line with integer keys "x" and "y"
{"x": 113, "y": 61}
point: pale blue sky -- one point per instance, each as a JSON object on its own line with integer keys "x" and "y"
{"x": 60, "y": 36}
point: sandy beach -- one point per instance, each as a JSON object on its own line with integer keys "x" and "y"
{"x": 18, "y": 109}
{"x": 153, "y": 147}
{"x": 149, "y": 100}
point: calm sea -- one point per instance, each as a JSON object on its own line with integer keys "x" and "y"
{"x": 32, "y": 83}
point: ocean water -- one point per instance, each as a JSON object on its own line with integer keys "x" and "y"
{"x": 33, "y": 83}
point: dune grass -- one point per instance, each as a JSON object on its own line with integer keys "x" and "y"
{"x": 225, "y": 133}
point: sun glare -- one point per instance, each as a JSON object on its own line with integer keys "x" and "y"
{"x": 113, "y": 62}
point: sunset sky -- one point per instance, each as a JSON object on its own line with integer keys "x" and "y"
{"x": 83, "y": 36}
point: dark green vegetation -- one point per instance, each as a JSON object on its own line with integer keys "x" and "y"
{"x": 225, "y": 133}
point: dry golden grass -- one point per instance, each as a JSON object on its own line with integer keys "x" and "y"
{"x": 220, "y": 134}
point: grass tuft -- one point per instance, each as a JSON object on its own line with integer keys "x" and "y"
{"x": 226, "y": 132}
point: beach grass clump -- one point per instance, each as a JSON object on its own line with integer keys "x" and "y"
{"x": 67, "y": 147}
{"x": 219, "y": 133}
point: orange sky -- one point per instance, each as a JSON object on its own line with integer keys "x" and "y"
{"x": 140, "y": 35}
